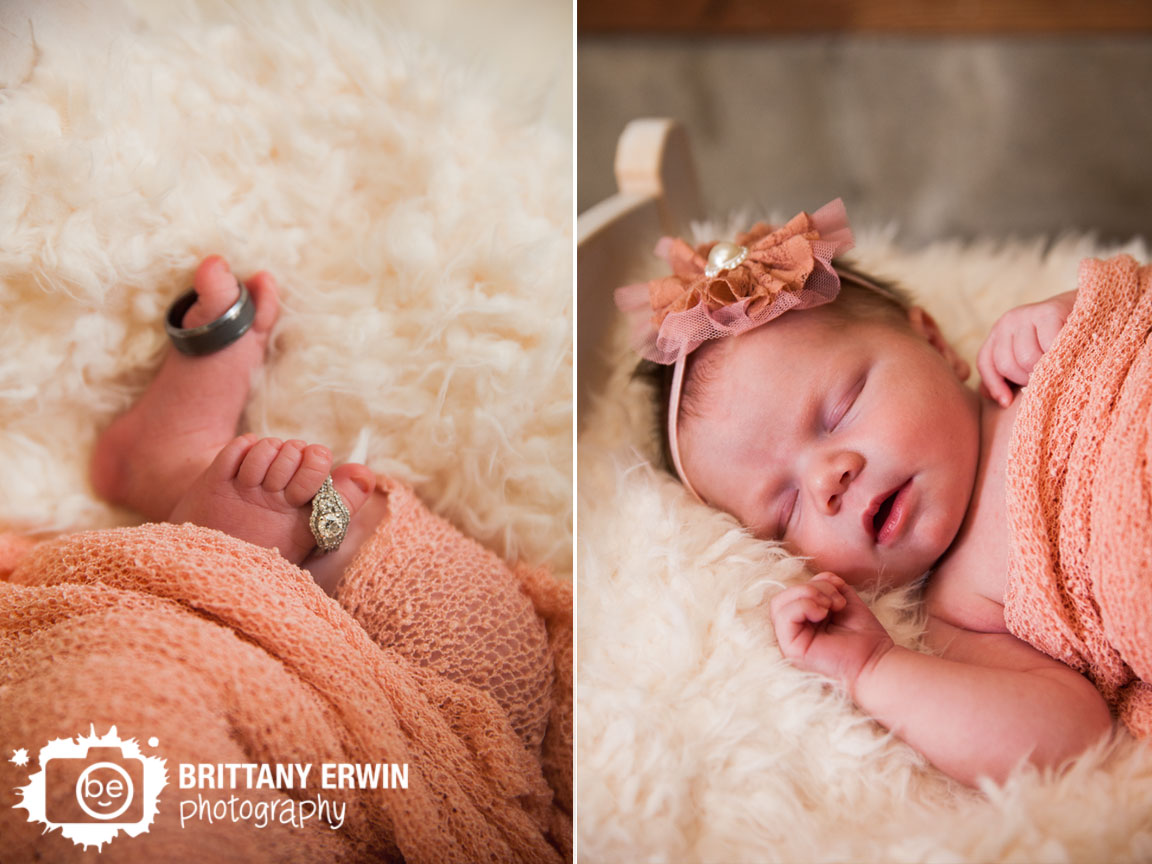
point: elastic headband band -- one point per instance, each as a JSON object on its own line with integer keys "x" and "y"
{"x": 674, "y": 422}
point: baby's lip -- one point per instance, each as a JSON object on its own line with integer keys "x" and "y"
{"x": 869, "y": 515}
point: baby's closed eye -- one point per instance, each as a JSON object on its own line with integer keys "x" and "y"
{"x": 787, "y": 509}
{"x": 842, "y": 406}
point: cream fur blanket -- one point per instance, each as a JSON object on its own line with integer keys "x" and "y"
{"x": 417, "y": 216}
{"x": 696, "y": 742}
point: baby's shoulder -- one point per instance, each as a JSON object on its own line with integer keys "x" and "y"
{"x": 959, "y": 596}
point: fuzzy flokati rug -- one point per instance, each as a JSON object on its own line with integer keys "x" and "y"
{"x": 419, "y": 227}
{"x": 696, "y": 742}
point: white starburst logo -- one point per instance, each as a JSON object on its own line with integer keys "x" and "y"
{"x": 93, "y": 787}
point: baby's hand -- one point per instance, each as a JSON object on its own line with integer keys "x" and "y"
{"x": 1017, "y": 342}
{"x": 823, "y": 626}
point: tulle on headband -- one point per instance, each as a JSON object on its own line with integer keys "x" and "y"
{"x": 724, "y": 289}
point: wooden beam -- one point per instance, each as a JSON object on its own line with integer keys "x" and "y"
{"x": 764, "y": 17}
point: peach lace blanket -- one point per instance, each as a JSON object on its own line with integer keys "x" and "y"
{"x": 1080, "y": 493}
{"x": 437, "y": 656}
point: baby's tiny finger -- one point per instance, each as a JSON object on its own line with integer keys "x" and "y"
{"x": 1006, "y": 365}
{"x": 1027, "y": 352}
{"x": 820, "y": 599}
{"x": 803, "y": 607}
{"x": 992, "y": 380}
{"x": 794, "y": 618}
{"x": 829, "y": 576}
{"x": 829, "y": 590}
{"x": 789, "y": 595}
{"x": 1047, "y": 331}
{"x": 813, "y": 610}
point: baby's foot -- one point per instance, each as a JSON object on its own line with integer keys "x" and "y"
{"x": 150, "y": 455}
{"x": 260, "y": 490}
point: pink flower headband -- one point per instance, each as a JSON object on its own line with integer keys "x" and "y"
{"x": 724, "y": 289}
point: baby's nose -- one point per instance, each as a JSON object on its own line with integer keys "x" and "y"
{"x": 833, "y": 477}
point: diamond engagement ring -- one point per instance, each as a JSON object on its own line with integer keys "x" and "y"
{"x": 330, "y": 517}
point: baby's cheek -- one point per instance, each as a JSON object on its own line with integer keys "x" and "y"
{"x": 848, "y": 564}
{"x": 938, "y": 531}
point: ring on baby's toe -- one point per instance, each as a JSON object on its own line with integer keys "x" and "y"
{"x": 330, "y": 517}
{"x": 213, "y": 336}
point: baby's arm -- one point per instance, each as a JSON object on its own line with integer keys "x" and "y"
{"x": 1017, "y": 341}
{"x": 989, "y": 702}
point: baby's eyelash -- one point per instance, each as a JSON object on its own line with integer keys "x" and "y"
{"x": 840, "y": 411}
{"x": 787, "y": 509}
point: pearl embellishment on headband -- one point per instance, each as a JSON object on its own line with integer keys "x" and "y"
{"x": 724, "y": 256}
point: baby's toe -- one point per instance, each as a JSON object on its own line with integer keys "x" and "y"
{"x": 228, "y": 461}
{"x": 258, "y": 460}
{"x": 314, "y": 466}
{"x": 355, "y": 483}
{"x": 265, "y": 295}
{"x": 284, "y": 466}
{"x": 216, "y": 290}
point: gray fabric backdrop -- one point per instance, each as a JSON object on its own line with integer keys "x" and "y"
{"x": 945, "y": 136}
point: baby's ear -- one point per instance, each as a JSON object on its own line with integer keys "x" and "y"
{"x": 925, "y": 325}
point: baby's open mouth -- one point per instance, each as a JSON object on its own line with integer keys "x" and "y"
{"x": 884, "y": 513}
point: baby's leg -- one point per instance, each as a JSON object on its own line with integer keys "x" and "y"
{"x": 260, "y": 490}
{"x": 423, "y": 589}
{"x": 150, "y": 455}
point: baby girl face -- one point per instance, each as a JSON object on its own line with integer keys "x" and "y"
{"x": 854, "y": 442}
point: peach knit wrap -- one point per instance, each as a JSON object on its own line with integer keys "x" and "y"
{"x": 434, "y": 654}
{"x": 1079, "y": 493}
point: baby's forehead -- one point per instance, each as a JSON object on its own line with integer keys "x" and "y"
{"x": 792, "y": 339}
{"x": 809, "y": 350}
{"x": 800, "y": 347}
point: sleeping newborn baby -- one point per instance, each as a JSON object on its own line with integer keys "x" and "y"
{"x": 844, "y": 430}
